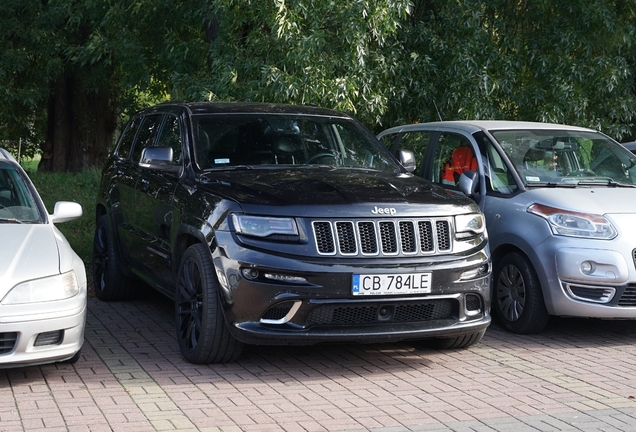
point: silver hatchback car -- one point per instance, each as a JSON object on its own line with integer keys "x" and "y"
{"x": 560, "y": 206}
{"x": 42, "y": 280}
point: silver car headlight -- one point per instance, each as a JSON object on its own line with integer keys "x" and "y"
{"x": 469, "y": 225}
{"x": 259, "y": 226}
{"x": 574, "y": 224}
{"x": 58, "y": 287}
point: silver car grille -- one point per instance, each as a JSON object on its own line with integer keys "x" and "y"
{"x": 383, "y": 237}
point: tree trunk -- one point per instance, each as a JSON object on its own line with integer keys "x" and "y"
{"x": 80, "y": 127}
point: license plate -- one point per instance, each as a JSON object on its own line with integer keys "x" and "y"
{"x": 385, "y": 284}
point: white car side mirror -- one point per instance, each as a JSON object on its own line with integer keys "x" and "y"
{"x": 65, "y": 211}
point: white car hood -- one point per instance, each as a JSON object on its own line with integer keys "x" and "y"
{"x": 27, "y": 252}
{"x": 596, "y": 200}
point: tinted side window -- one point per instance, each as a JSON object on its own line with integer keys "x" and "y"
{"x": 171, "y": 137}
{"x": 147, "y": 135}
{"x": 453, "y": 155}
{"x": 128, "y": 137}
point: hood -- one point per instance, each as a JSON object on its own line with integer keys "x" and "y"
{"x": 597, "y": 200}
{"x": 311, "y": 187}
{"x": 28, "y": 252}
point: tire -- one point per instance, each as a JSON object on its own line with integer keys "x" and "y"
{"x": 518, "y": 299}
{"x": 458, "y": 342}
{"x": 201, "y": 329}
{"x": 108, "y": 280}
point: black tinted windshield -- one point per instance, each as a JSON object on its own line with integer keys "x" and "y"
{"x": 16, "y": 202}
{"x": 565, "y": 156}
{"x": 223, "y": 141}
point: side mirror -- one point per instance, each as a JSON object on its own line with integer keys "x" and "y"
{"x": 468, "y": 183}
{"x": 158, "y": 158}
{"x": 65, "y": 211}
{"x": 407, "y": 159}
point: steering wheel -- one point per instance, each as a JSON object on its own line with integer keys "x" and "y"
{"x": 318, "y": 156}
{"x": 5, "y": 202}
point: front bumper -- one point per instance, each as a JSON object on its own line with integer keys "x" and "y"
{"x": 281, "y": 309}
{"x": 38, "y": 338}
{"x": 607, "y": 289}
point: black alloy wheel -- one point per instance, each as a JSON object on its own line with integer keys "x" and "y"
{"x": 201, "y": 329}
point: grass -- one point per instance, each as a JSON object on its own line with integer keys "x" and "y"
{"x": 81, "y": 188}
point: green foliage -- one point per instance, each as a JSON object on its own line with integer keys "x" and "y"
{"x": 385, "y": 61}
{"x": 307, "y": 52}
{"x": 25, "y": 72}
{"x": 564, "y": 62}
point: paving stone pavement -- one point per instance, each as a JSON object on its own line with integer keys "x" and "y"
{"x": 578, "y": 375}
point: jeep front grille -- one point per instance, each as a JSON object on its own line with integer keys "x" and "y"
{"x": 385, "y": 237}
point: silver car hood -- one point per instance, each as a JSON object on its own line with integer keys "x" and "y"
{"x": 596, "y": 200}
{"x": 27, "y": 252}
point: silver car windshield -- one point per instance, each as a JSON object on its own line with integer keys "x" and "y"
{"x": 563, "y": 157}
{"x": 260, "y": 141}
{"x": 17, "y": 205}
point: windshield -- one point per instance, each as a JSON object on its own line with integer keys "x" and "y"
{"x": 17, "y": 205}
{"x": 567, "y": 157}
{"x": 225, "y": 141}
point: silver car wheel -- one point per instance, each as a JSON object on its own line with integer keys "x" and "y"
{"x": 511, "y": 292}
{"x": 518, "y": 299}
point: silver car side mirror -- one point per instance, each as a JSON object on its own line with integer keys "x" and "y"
{"x": 468, "y": 183}
{"x": 407, "y": 159}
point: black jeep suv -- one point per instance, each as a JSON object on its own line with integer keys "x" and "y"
{"x": 277, "y": 224}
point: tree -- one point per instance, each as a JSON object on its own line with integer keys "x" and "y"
{"x": 74, "y": 66}
{"x": 305, "y": 52}
{"x": 71, "y": 70}
{"x": 25, "y": 73}
{"x": 545, "y": 61}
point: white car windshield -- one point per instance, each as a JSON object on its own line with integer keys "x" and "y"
{"x": 567, "y": 157}
{"x": 17, "y": 204}
{"x": 259, "y": 140}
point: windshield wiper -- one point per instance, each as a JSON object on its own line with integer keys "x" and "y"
{"x": 10, "y": 220}
{"x": 551, "y": 184}
{"x": 571, "y": 184}
{"x": 610, "y": 183}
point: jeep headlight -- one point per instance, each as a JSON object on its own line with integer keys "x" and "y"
{"x": 260, "y": 226}
{"x": 574, "y": 224}
{"x": 58, "y": 287}
{"x": 469, "y": 225}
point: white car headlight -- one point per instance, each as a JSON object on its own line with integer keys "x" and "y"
{"x": 58, "y": 287}
{"x": 264, "y": 226}
{"x": 469, "y": 225}
{"x": 573, "y": 224}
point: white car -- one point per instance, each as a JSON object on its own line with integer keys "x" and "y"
{"x": 42, "y": 280}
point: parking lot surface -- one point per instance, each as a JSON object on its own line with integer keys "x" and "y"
{"x": 578, "y": 375}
